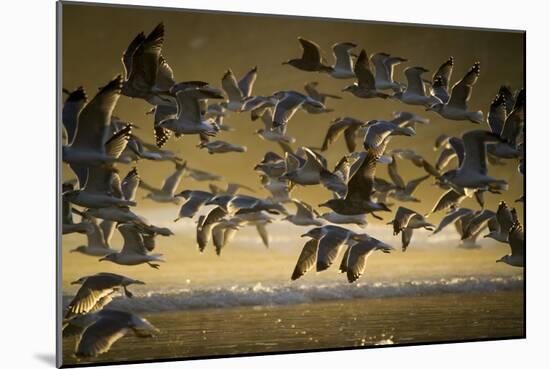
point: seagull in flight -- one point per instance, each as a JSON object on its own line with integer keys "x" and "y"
{"x": 134, "y": 251}
{"x": 311, "y": 60}
{"x": 456, "y": 108}
{"x": 365, "y": 87}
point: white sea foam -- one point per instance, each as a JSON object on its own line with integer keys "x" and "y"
{"x": 181, "y": 299}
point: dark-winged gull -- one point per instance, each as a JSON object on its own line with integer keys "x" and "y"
{"x": 360, "y": 187}
{"x": 365, "y": 87}
{"x": 311, "y": 60}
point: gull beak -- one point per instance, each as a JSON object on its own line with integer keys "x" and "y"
{"x": 74, "y": 282}
{"x": 102, "y": 259}
{"x": 304, "y": 235}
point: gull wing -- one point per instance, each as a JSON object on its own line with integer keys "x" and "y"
{"x": 361, "y": 182}
{"x": 100, "y": 336}
{"x": 365, "y": 78}
{"x": 306, "y": 260}
{"x": 86, "y": 299}
{"x": 231, "y": 87}
{"x": 329, "y": 248}
{"x": 165, "y": 76}
{"x": 457, "y": 145}
{"x": 402, "y": 217}
{"x": 478, "y": 222}
{"x": 406, "y": 237}
{"x": 415, "y": 84}
{"x": 311, "y": 51}
{"x": 133, "y": 240}
{"x": 444, "y": 158}
{"x": 394, "y": 174}
{"x": 390, "y": 63}
{"x": 171, "y": 183}
{"x": 130, "y": 184}
{"x": 246, "y": 84}
{"x": 118, "y": 141}
{"x": 357, "y": 259}
{"x": 128, "y": 55}
{"x": 452, "y": 217}
{"x": 71, "y": 108}
{"x": 189, "y": 108}
{"x": 342, "y": 55}
{"x": 95, "y": 118}
{"x": 146, "y": 60}
{"x": 450, "y": 199}
{"x": 205, "y": 224}
{"x": 516, "y": 238}
{"x": 95, "y": 238}
{"x": 194, "y": 203}
{"x": 303, "y": 210}
{"x": 381, "y": 71}
{"x": 99, "y": 179}
{"x": 163, "y": 112}
{"x": 497, "y": 114}
{"x": 108, "y": 228}
{"x": 462, "y": 90}
{"x": 444, "y": 73}
{"x": 262, "y": 231}
{"x": 286, "y": 108}
{"x": 504, "y": 217}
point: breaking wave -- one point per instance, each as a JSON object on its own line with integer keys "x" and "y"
{"x": 183, "y": 299}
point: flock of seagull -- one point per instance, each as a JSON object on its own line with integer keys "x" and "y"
{"x": 97, "y": 144}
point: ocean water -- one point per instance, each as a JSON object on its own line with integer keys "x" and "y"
{"x": 244, "y": 302}
{"x": 317, "y": 325}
